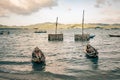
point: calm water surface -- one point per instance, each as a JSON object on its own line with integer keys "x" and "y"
{"x": 66, "y": 58}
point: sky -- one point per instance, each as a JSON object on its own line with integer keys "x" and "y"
{"x": 27, "y": 12}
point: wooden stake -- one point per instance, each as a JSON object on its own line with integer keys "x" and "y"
{"x": 56, "y": 25}
{"x": 83, "y": 24}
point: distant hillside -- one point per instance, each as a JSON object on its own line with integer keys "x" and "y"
{"x": 108, "y": 25}
{"x": 5, "y": 26}
{"x": 49, "y": 25}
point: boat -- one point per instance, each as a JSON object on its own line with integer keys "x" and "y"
{"x": 40, "y": 32}
{"x": 4, "y": 32}
{"x": 36, "y": 60}
{"x": 112, "y": 35}
{"x": 38, "y": 56}
{"x": 91, "y": 52}
{"x": 91, "y": 36}
{"x": 91, "y": 55}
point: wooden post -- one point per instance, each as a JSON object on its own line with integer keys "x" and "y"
{"x": 83, "y": 23}
{"x": 56, "y": 25}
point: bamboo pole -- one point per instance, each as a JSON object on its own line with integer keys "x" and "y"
{"x": 56, "y": 36}
{"x": 83, "y": 23}
{"x": 56, "y": 25}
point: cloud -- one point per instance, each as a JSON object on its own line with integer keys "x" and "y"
{"x": 110, "y": 20}
{"x": 111, "y": 15}
{"x": 24, "y": 7}
{"x": 110, "y": 10}
{"x": 102, "y": 3}
{"x": 99, "y": 3}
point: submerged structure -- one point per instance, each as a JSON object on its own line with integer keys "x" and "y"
{"x": 56, "y": 36}
{"x": 82, "y": 37}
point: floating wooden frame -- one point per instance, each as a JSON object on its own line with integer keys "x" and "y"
{"x": 55, "y": 37}
{"x": 81, "y": 37}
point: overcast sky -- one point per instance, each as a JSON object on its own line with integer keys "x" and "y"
{"x": 27, "y": 12}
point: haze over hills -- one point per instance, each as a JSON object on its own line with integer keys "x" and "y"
{"x": 49, "y": 25}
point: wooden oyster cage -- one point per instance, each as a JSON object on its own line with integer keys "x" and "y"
{"x": 56, "y": 36}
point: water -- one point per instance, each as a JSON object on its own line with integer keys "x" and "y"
{"x": 66, "y": 57}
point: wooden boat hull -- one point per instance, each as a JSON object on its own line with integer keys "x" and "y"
{"x": 91, "y": 36}
{"x": 91, "y": 51}
{"x": 114, "y": 35}
{"x": 91, "y": 55}
{"x": 40, "y": 32}
{"x": 37, "y": 60}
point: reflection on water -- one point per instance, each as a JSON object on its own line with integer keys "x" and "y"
{"x": 94, "y": 62}
{"x": 38, "y": 66}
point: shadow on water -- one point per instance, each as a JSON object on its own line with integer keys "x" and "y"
{"x": 38, "y": 66}
{"x": 94, "y": 62}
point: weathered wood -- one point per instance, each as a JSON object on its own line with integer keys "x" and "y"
{"x": 81, "y": 37}
{"x": 55, "y": 37}
{"x": 56, "y": 25}
{"x": 83, "y": 23}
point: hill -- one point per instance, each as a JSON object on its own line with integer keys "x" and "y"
{"x": 48, "y": 25}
